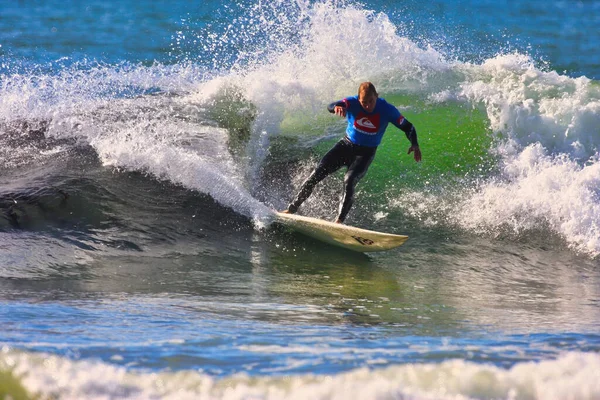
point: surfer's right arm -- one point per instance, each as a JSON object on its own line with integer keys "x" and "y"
{"x": 338, "y": 108}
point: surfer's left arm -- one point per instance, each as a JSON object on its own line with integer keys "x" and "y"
{"x": 411, "y": 134}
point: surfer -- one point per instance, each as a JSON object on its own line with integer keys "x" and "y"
{"x": 368, "y": 117}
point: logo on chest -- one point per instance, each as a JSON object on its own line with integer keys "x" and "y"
{"x": 368, "y": 124}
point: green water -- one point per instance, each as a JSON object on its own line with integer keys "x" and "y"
{"x": 454, "y": 139}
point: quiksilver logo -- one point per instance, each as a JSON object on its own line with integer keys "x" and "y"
{"x": 363, "y": 241}
{"x": 364, "y": 122}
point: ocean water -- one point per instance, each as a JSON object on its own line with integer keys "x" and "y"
{"x": 143, "y": 147}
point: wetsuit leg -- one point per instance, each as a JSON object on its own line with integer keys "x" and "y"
{"x": 356, "y": 171}
{"x": 339, "y": 155}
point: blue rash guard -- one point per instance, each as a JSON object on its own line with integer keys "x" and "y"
{"x": 367, "y": 129}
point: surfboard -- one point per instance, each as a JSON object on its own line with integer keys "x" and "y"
{"x": 346, "y": 236}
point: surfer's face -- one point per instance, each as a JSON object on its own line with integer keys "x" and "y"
{"x": 367, "y": 102}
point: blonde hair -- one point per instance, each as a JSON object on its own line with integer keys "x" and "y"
{"x": 367, "y": 89}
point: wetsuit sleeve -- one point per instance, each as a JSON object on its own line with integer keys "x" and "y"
{"x": 409, "y": 129}
{"x": 341, "y": 103}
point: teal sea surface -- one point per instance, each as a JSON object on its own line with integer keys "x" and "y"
{"x": 144, "y": 146}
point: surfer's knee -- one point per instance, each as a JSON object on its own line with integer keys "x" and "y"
{"x": 319, "y": 173}
{"x": 350, "y": 181}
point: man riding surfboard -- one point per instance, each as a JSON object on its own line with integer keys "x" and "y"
{"x": 368, "y": 116}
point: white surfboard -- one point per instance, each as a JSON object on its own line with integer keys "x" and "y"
{"x": 348, "y": 237}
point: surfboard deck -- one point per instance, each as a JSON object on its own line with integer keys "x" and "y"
{"x": 346, "y": 236}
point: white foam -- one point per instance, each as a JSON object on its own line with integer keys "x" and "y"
{"x": 150, "y": 133}
{"x": 537, "y": 189}
{"x": 570, "y": 376}
{"x": 528, "y": 105}
{"x": 549, "y": 152}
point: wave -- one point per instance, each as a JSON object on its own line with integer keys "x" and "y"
{"x": 36, "y": 375}
{"x": 548, "y": 146}
{"x": 209, "y": 127}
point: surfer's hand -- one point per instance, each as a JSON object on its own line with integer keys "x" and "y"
{"x": 339, "y": 111}
{"x": 417, "y": 152}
